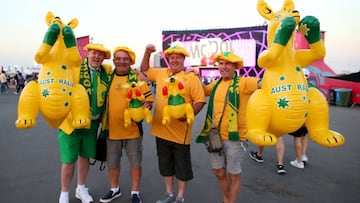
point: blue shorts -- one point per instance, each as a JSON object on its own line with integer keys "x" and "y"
{"x": 132, "y": 147}
{"x": 230, "y": 157}
{"x": 174, "y": 159}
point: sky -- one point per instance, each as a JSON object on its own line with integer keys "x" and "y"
{"x": 136, "y": 23}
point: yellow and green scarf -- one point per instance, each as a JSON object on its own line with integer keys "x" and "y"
{"x": 233, "y": 102}
{"x": 100, "y": 86}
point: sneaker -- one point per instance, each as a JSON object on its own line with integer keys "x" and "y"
{"x": 64, "y": 199}
{"x": 304, "y": 158}
{"x": 255, "y": 156}
{"x": 135, "y": 198}
{"x": 179, "y": 200}
{"x": 167, "y": 199}
{"x": 83, "y": 195}
{"x": 296, "y": 164}
{"x": 280, "y": 169}
{"x": 110, "y": 196}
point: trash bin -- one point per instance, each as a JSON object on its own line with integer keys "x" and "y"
{"x": 332, "y": 98}
{"x": 343, "y": 96}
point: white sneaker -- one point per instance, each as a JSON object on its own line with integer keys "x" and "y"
{"x": 83, "y": 195}
{"x": 64, "y": 199}
{"x": 304, "y": 158}
{"x": 297, "y": 164}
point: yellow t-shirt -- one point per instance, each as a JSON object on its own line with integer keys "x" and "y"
{"x": 117, "y": 105}
{"x": 176, "y": 131}
{"x": 247, "y": 86}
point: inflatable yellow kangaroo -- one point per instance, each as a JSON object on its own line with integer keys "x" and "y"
{"x": 285, "y": 103}
{"x": 177, "y": 107}
{"x": 57, "y": 93}
{"x": 136, "y": 111}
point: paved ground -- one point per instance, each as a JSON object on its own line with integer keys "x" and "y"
{"x": 30, "y": 167}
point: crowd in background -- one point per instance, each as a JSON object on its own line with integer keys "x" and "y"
{"x": 18, "y": 80}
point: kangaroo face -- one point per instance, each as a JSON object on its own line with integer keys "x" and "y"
{"x": 275, "y": 18}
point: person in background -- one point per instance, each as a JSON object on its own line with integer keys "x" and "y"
{"x": 300, "y": 138}
{"x": 300, "y": 144}
{"x": 280, "y": 151}
{"x": 80, "y": 145}
{"x": 120, "y": 137}
{"x": 173, "y": 139}
{"x": 20, "y": 82}
{"x": 3, "y": 81}
{"x": 229, "y": 96}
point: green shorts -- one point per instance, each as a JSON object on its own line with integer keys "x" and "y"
{"x": 81, "y": 142}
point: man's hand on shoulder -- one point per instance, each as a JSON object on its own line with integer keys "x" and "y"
{"x": 192, "y": 70}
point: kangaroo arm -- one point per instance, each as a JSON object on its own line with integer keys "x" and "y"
{"x": 269, "y": 56}
{"x": 307, "y": 57}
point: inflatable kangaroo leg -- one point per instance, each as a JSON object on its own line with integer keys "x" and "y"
{"x": 127, "y": 118}
{"x": 318, "y": 121}
{"x": 29, "y": 105}
{"x": 80, "y": 107}
{"x": 148, "y": 116}
{"x": 189, "y": 113}
{"x": 258, "y": 116}
{"x": 166, "y": 116}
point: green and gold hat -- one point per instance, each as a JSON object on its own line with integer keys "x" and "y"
{"x": 230, "y": 57}
{"x": 99, "y": 47}
{"x": 126, "y": 49}
{"x": 176, "y": 50}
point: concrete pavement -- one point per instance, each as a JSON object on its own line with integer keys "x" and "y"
{"x": 30, "y": 167}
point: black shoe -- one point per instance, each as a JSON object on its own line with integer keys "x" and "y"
{"x": 135, "y": 198}
{"x": 110, "y": 196}
{"x": 255, "y": 156}
{"x": 280, "y": 169}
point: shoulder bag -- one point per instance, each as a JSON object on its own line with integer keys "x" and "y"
{"x": 213, "y": 140}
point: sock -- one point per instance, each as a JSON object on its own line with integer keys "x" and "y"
{"x": 134, "y": 192}
{"x": 115, "y": 189}
{"x": 80, "y": 186}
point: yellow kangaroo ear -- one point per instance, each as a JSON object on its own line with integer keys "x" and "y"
{"x": 265, "y": 10}
{"x": 73, "y": 23}
{"x": 288, "y": 5}
{"x": 49, "y": 18}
